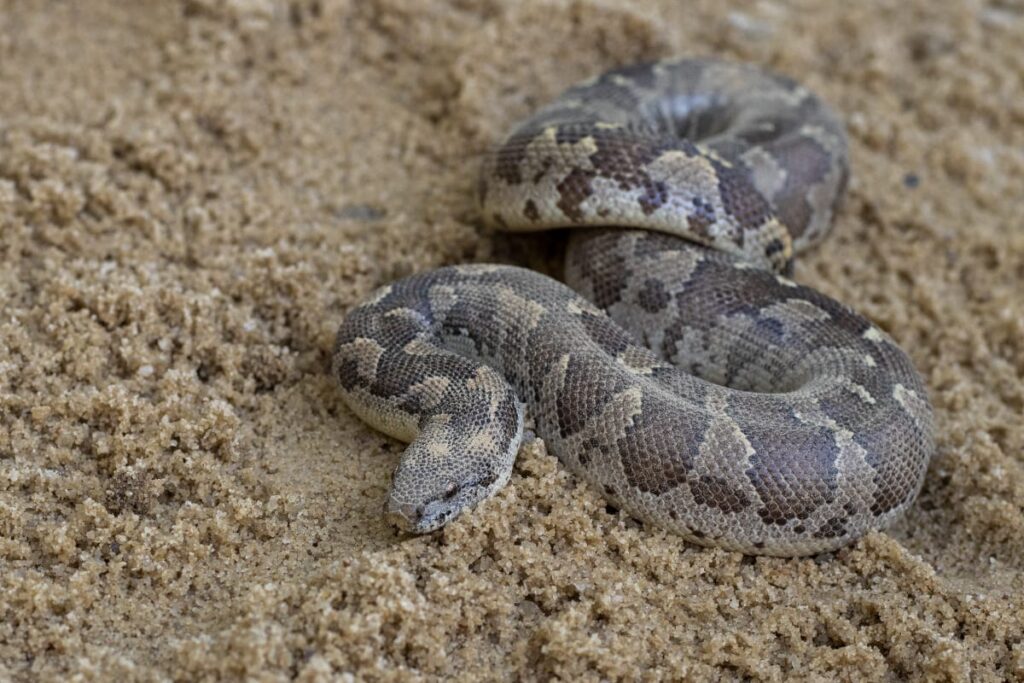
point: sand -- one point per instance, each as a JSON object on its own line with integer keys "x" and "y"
{"x": 193, "y": 193}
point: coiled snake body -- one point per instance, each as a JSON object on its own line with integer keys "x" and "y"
{"x": 739, "y": 409}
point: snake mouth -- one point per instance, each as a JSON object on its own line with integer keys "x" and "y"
{"x": 431, "y": 515}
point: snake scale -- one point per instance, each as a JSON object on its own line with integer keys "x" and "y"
{"x": 682, "y": 374}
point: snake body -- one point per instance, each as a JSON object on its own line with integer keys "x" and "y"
{"x": 682, "y": 374}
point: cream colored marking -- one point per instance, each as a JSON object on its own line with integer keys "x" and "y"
{"x": 862, "y": 392}
{"x": 726, "y": 450}
{"x": 910, "y": 400}
{"x": 403, "y": 313}
{"x": 620, "y": 410}
{"x": 712, "y": 154}
{"x": 378, "y": 295}
{"x": 917, "y": 405}
{"x": 484, "y": 379}
{"x": 430, "y": 391}
{"x": 439, "y": 449}
{"x": 365, "y": 352}
{"x": 479, "y": 268}
{"x": 869, "y": 360}
{"x": 559, "y": 369}
{"x": 419, "y": 347}
{"x": 768, "y": 176}
{"x": 796, "y": 310}
{"x": 587, "y": 142}
{"x": 873, "y": 334}
{"x": 442, "y": 298}
{"x": 481, "y": 441}
{"x": 527, "y": 312}
{"x": 671, "y": 161}
{"x": 580, "y": 306}
{"x": 638, "y": 360}
{"x": 852, "y": 455}
{"x": 785, "y": 282}
{"x": 495, "y": 386}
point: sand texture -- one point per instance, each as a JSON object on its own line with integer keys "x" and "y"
{"x": 193, "y": 193}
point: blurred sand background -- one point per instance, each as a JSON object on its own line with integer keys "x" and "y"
{"x": 193, "y": 193}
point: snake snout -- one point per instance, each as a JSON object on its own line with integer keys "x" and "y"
{"x": 405, "y": 516}
{"x": 444, "y": 505}
{"x": 401, "y": 515}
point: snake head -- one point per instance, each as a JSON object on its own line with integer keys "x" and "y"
{"x": 432, "y": 506}
{"x": 449, "y": 467}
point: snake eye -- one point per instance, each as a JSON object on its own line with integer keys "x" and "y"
{"x": 451, "y": 491}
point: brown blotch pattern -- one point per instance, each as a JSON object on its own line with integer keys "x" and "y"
{"x": 790, "y": 372}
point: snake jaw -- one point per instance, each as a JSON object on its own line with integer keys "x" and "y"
{"x": 435, "y": 512}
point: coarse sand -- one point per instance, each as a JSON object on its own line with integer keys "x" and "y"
{"x": 193, "y": 193}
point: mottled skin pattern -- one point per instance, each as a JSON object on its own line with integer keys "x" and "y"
{"x": 739, "y": 409}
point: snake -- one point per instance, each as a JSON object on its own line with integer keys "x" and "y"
{"x": 679, "y": 371}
